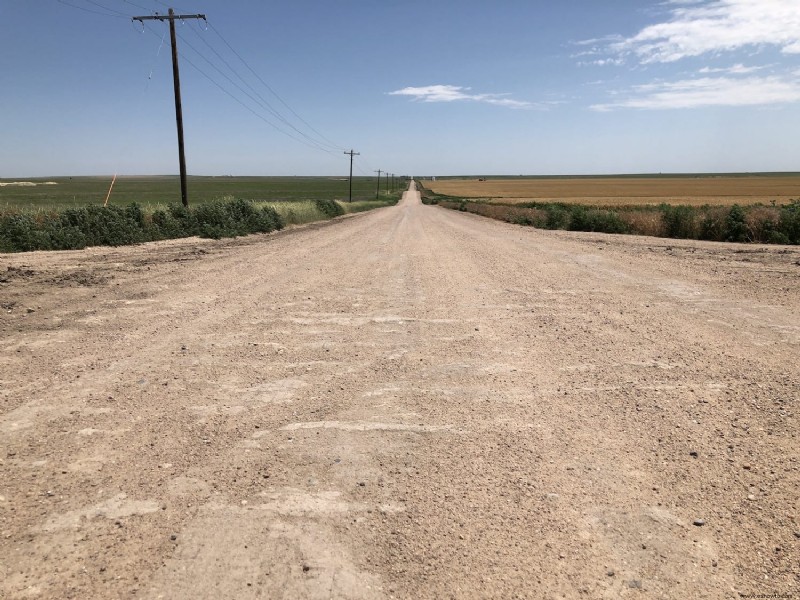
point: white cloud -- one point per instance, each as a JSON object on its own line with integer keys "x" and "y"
{"x": 708, "y": 92}
{"x": 454, "y": 93}
{"x": 715, "y": 26}
{"x": 601, "y": 62}
{"x": 737, "y": 69}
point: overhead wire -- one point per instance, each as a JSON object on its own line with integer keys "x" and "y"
{"x": 136, "y": 5}
{"x": 369, "y": 171}
{"x": 267, "y": 86}
{"x": 111, "y": 10}
{"x": 317, "y": 141}
{"x": 96, "y": 12}
{"x": 241, "y": 102}
{"x": 250, "y": 109}
{"x": 311, "y": 142}
{"x": 261, "y": 100}
{"x": 155, "y": 60}
{"x": 169, "y": 5}
{"x": 322, "y": 140}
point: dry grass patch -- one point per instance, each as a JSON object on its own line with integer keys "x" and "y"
{"x": 628, "y": 191}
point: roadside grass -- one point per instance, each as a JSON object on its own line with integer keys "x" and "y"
{"x": 774, "y": 224}
{"x": 154, "y": 192}
{"x": 309, "y": 211}
{"x": 364, "y": 205}
{"x": 36, "y": 223}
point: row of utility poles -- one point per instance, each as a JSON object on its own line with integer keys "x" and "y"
{"x": 351, "y": 154}
{"x": 388, "y": 188}
{"x": 171, "y": 17}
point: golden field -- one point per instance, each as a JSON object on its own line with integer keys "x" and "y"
{"x": 628, "y": 191}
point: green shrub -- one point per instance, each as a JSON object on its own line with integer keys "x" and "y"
{"x": 65, "y": 238}
{"x": 520, "y": 219}
{"x": 95, "y": 225}
{"x": 270, "y": 220}
{"x": 558, "y": 216}
{"x": 19, "y": 233}
{"x": 735, "y": 226}
{"x": 104, "y": 226}
{"x": 756, "y": 223}
{"x": 590, "y": 219}
{"x": 330, "y": 208}
{"x": 789, "y": 222}
{"x": 679, "y": 221}
{"x": 166, "y": 226}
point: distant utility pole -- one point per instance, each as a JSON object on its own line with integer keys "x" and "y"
{"x": 378, "y": 191}
{"x": 352, "y": 154}
{"x": 387, "y": 180}
{"x": 176, "y": 80}
{"x": 392, "y": 181}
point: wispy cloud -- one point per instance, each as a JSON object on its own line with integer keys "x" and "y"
{"x": 737, "y": 69}
{"x": 454, "y": 93}
{"x": 720, "y": 30}
{"x": 715, "y": 26}
{"x": 708, "y": 92}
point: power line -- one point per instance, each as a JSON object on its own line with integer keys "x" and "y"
{"x": 263, "y": 103}
{"x": 165, "y": 5}
{"x": 266, "y": 85}
{"x": 112, "y": 10}
{"x": 96, "y": 12}
{"x": 256, "y": 98}
{"x": 136, "y": 5}
{"x": 369, "y": 170}
{"x": 239, "y": 101}
{"x": 259, "y": 116}
{"x": 268, "y": 105}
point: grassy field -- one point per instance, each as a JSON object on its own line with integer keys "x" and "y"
{"x": 715, "y": 190}
{"x": 153, "y": 192}
{"x": 68, "y": 213}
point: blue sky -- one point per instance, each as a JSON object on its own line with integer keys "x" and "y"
{"x": 435, "y": 87}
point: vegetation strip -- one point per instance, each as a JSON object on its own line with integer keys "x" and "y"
{"x": 756, "y": 223}
{"x": 95, "y": 225}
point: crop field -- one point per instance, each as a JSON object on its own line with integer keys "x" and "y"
{"x": 152, "y": 192}
{"x": 724, "y": 190}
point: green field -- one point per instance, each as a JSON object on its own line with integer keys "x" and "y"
{"x": 153, "y": 192}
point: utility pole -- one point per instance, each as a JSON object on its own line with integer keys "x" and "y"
{"x": 378, "y": 191}
{"x": 387, "y": 180}
{"x": 176, "y": 81}
{"x": 352, "y": 154}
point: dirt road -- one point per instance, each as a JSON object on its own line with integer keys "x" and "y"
{"x": 408, "y": 403}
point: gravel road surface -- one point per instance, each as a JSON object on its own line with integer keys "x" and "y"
{"x": 407, "y": 403}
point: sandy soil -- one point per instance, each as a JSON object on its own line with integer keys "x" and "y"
{"x": 407, "y": 403}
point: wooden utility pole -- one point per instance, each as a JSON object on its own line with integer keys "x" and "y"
{"x": 352, "y": 154}
{"x": 378, "y": 191}
{"x": 176, "y": 81}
